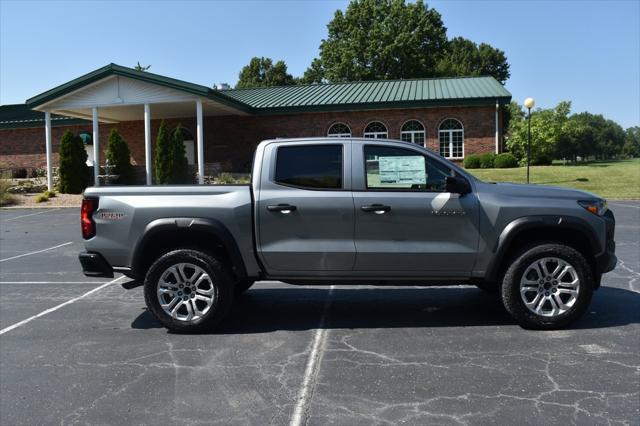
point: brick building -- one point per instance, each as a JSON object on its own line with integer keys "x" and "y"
{"x": 452, "y": 116}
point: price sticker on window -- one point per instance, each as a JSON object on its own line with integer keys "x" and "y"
{"x": 409, "y": 170}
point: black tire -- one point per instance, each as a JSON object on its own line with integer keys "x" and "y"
{"x": 242, "y": 286}
{"x": 221, "y": 284}
{"x": 510, "y": 288}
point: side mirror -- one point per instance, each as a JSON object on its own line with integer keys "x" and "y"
{"x": 457, "y": 185}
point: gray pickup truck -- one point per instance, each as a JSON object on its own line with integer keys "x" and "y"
{"x": 350, "y": 211}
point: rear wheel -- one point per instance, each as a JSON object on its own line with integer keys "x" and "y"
{"x": 188, "y": 290}
{"x": 547, "y": 287}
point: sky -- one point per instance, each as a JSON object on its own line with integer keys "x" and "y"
{"x": 587, "y": 52}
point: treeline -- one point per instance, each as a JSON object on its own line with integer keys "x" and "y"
{"x": 558, "y": 134}
{"x": 384, "y": 40}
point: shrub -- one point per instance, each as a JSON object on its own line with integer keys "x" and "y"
{"x": 506, "y": 160}
{"x": 472, "y": 162}
{"x": 50, "y": 194}
{"x": 541, "y": 160}
{"x": 73, "y": 169}
{"x": 487, "y": 160}
{"x": 163, "y": 157}
{"x": 41, "y": 198}
{"x": 6, "y": 197}
{"x": 119, "y": 157}
{"x": 180, "y": 169}
{"x": 19, "y": 173}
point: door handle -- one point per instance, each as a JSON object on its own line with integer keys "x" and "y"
{"x": 376, "y": 208}
{"x": 282, "y": 208}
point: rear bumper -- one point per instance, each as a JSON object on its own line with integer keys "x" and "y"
{"x": 94, "y": 265}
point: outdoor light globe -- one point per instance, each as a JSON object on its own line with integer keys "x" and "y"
{"x": 529, "y": 103}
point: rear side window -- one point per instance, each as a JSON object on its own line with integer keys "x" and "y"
{"x": 310, "y": 166}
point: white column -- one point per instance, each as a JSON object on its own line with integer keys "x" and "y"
{"x": 200, "y": 138}
{"x": 497, "y": 128}
{"x": 96, "y": 148}
{"x": 147, "y": 143}
{"x": 47, "y": 138}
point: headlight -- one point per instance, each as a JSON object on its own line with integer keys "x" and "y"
{"x": 597, "y": 207}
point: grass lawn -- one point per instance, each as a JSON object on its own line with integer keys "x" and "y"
{"x": 610, "y": 179}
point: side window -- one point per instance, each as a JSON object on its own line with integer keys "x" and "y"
{"x": 310, "y": 166}
{"x": 390, "y": 168}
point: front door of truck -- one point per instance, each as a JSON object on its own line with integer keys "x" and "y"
{"x": 406, "y": 223}
{"x": 305, "y": 213}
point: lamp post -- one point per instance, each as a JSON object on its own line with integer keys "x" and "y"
{"x": 529, "y": 103}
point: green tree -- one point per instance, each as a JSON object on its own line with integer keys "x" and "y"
{"x": 180, "y": 168}
{"x": 547, "y": 127}
{"x": 632, "y": 142}
{"x": 119, "y": 156}
{"x": 163, "y": 163}
{"x": 314, "y": 74}
{"x": 73, "y": 170}
{"x": 463, "y": 57}
{"x": 595, "y": 136}
{"x": 382, "y": 39}
{"x": 139, "y": 67}
{"x": 262, "y": 72}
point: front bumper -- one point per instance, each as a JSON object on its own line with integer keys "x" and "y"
{"x": 94, "y": 265}
{"x": 607, "y": 261}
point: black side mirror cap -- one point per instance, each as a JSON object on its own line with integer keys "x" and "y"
{"x": 457, "y": 185}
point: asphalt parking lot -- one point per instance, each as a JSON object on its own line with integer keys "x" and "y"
{"x": 296, "y": 355}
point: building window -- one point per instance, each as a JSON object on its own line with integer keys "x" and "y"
{"x": 375, "y": 130}
{"x": 339, "y": 130}
{"x": 413, "y": 131}
{"x": 451, "y": 139}
{"x": 310, "y": 166}
{"x": 87, "y": 140}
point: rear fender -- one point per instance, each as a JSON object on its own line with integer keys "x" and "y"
{"x": 202, "y": 226}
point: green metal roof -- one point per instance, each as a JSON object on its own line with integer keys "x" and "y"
{"x": 374, "y": 94}
{"x": 363, "y": 95}
{"x": 21, "y": 116}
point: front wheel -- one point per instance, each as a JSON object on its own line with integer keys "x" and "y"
{"x": 547, "y": 287}
{"x": 188, "y": 291}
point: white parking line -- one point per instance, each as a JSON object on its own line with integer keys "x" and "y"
{"x": 312, "y": 369}
{"x": 625, "y": 205}
{"x": 36, "y": 252}
{"x": 55, "y": 308}
{"x": 30, "y": 214}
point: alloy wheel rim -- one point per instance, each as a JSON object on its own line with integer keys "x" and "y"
{"x": 185, "y": 292}
{"x": 549, "y": 286}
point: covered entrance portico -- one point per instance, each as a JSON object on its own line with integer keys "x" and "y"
{"x": 115, "y": 94}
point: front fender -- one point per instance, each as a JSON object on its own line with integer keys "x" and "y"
{"x": 542, "y": 222}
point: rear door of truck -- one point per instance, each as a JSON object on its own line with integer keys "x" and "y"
{"x": 304, "y": 207}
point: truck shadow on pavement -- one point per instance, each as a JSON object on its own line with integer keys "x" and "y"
{"x": 264, "y": 310}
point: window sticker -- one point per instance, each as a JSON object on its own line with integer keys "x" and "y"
{"x": 402, "y": 170}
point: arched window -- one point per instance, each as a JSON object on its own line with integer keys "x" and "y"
{"x": 375, "y": 130}
{"x": 451, "y": 138}
{"x": 87, "y": 140}
{"x": 413, "y": 131}
{"x": 339, "y": 130}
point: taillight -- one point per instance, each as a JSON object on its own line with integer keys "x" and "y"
{"x": 89, "y": 205}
